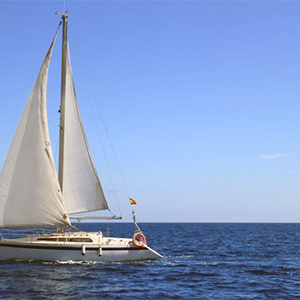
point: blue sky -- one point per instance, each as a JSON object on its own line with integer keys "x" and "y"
{"x": 201, "y": 100}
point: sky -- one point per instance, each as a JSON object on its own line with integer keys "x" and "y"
{"x": 200, "y": 101}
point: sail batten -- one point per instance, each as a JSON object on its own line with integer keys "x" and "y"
{"x": 29, "y": 190}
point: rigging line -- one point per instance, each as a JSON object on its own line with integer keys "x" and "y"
{"x": 108, "y": 137}
{"x": 106, "y": 130}
{"x": 110, "y": 143}
{"x": 111, "y": 146}
{"x": 88, "y": 79}
{"x": 102, "y": 146}
{"x": 84, "y": 72}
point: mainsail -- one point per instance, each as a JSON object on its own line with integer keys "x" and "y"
{"x": 29, "y": 190}
{"x": 81, "y": 186}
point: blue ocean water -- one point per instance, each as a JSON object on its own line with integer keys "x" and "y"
{"x": 201, "y": 261}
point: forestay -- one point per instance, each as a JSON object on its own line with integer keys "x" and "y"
{"x": 81, "y": 186}
{"x": 29, "y": 189}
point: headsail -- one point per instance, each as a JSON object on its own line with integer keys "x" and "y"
{"x": 81, "y": 186}
{"x": 29, "y": 189}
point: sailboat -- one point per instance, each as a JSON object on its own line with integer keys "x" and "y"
{"x": 33, "y": 195}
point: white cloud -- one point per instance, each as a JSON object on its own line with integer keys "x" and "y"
{"x": 272, "y": 156}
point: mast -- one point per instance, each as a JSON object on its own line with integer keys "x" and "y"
{"x": 62, "y": 101}
{"x": 78, "y": 178}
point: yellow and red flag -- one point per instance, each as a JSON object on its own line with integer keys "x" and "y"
{"x": 132, "y": 201}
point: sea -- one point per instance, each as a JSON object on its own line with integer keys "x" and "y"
{"x": 201, "y": 261}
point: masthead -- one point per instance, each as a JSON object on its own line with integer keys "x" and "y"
{"x": 64, "y": 15}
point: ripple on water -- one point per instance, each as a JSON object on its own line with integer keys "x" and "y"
{"x": 218, "y": 265}
{"x": 261, "y": 272}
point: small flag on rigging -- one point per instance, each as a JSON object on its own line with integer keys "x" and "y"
{"x": 132, "y": 202}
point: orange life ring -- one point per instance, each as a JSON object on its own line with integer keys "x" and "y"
{"x": 138, "y": 239}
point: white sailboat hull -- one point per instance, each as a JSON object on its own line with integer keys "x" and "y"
{"x": 108, "y": 250}
{"x": 63, "y": 254}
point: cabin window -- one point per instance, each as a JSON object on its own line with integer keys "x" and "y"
{"x": 80, "y": 240}
{"x": 52, "y": 239}
{"x": 72, "y": 240}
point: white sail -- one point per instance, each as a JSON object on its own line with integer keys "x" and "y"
{"x": 29, "y": 189}
{"x": 81, "y": 186}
